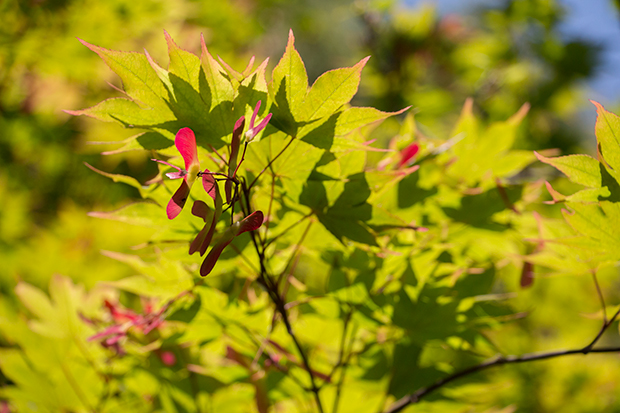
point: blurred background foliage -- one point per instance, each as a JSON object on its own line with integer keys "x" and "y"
{"x": 502, "y": 56}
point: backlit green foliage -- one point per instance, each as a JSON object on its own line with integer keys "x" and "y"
{"x": 594, "y": 212}
{"x": 373, "y": 274}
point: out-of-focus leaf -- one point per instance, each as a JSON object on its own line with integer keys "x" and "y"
{"x": 162, "y": 279}
{"x": 485, "y": 154}
{"x": 146, "y": 214}
{"x": 124, "y": 179}
{"x": 55, "y": 376}
{"x": 146, "y": 140}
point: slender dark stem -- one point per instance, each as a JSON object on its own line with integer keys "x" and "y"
{"x": 416, "y": 396}
{"x": 245, "y": 147}
{"x": 281, "y": 308}
{"x": 500, "y": 360}
{"x": 588, "y": 349}
{"x": 272, "y": 161}
{"x": 600, "y": 296}
{"x": 345, "y": 330}
{"x": 273, "y": 185}
{"x": 343, "y": 372}
{"x": 218, "y": 154}
{"x": 265, "y": 340}
{"x": 223, "y": 176}
{"x": 234, "y": 199}
{"x": 272, "y": 289}
{"x": 504, "y": 196}
{"x": 262, "y": 344}
{"x": 297, "y": 247}
{"x": 288, "y": 229}
{"x": 302, "y": 353}
{"x": 285, "y": 370}
{"x": 246, "y": 259}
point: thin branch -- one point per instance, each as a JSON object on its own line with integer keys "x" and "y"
{"x": 302, "y": 353}
{"x": 505, "y": 198}
{"x": 262, "y": 351}
{"x": 218, "y": 154}
{"x": 344, "y": 363}
{"x": 416, "y": 396}
{"x": 285, "y": 370}
{"x": 280, "y": 304}
{"x": 272, "y": 161}
{"x": 600, "y": 297}
{"x": 289, "y": 228}
{"x": 273, "y": 187}
{"x": 345, "y": 329}
{"x": 271, "y": 287}
{"x": 587, "y": 349}
{"x": 246, "y": 259}
{"x": 265, "y": 340}
{"x": 500, "y": 360}
{"x": 245, "y": 147}
{"x": 294, "y": 254}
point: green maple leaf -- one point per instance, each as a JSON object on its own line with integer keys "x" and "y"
{"x": 594, "y": 212}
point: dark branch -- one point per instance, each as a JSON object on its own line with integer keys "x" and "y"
{"x": 495, "y": 361}
{"x": 587, "y": 349}
{"x": 271, "y": 286}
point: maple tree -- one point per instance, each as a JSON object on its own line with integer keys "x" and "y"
{"x": 341, "y": 276}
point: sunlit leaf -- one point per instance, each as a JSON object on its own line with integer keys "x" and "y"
{"x": 608, "y": 136}
{"x": 332, "y": 90}
{"x": 580, "y": 169}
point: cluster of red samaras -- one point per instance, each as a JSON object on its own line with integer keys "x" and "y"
{"x": 185, "y": 142}
{"x": 124, "y": 319}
